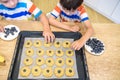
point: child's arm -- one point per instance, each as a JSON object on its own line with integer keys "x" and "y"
{"x": 48, "y": 35}
{"x": 76, "y": 45}
{"x": 1, "y": 29}
{"x": 56, "y": 23}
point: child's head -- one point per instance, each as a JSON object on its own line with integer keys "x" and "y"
{"x": 9, "y": 3}
{"x": 70, "y": 4}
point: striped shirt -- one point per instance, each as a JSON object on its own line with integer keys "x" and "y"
{"x": 79, "y": 15}
{"x": 24, "y": 10}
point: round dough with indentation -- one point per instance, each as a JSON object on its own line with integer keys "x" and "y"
{"x": 47, "y": 44}
{"x": 48, "y": 72}
{"x": 49, "y": 61}
{"x": 37, "y": 43}
{"x": 57, "y": 44}
{"x": 28, "y": 43}
{"x": 36, "y": 71}
{"x": 40, "y": 52}
{"x": 59, "y": 72}
{"x": 69, "y": 62}
{"x": 69, "y": 72}
{"x": 29, "y": 52}
{"x": 40, "y": 61}
{"x": 69, "y": 53}
{"x": 59, "y": 62}
{"x": 59, "y": 53}
{"x": 25, "y": 71}
{"x": 28, "y": 61}
{"x": 66, "y": 44}
{"x": 50, "y": 52}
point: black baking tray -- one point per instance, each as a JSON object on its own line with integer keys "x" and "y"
{"x": 80, "y": 55}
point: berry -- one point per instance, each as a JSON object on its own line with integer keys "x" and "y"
{"x": 96, "y": 45}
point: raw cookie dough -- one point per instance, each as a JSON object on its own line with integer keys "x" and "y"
{"x": 48, "y": 72}
{"x": 28, "y": 61}
{"x": 36, "y": 71}
{"x": 69, "y": 72}
{"x": 40, "y": 52}
{"x": 25, "y": 71}
{"x": 29, "y": 52}
{"x": 59, "y": 53}
{"x": 49, "y": 61}
{"x": 69, "y": 62}
{"x": 59, "y": 72}
{"x": 69, "y": 53}
{"x": 66, "y": 44}
{"x": 28, "y": 43}
{"x": 40, "y": 61}
{"x": 37, "y": 43}
{"x": 50, "y": 52}
{"x": 57, "y": 44}
{"x": 59, "y": 62}
{"x": 47, "y": 44}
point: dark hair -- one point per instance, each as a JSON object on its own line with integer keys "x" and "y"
{"x": 71, "y": 4}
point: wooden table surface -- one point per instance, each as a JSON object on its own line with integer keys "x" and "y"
{"x": 103, "y": 67}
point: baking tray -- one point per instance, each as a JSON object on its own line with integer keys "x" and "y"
{"x": 82, "y": 68}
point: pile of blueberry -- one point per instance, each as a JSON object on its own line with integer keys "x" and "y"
{"x": 11, "y": 31}
{"x": 96, "y": 45}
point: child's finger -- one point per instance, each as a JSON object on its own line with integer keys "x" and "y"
{"x": 45, "y": 37}
{"x": 52, "y": 38}
{"x": 73, "y": 46}
{"x": 48, "y": 39}
{"x": 77, "y": 48}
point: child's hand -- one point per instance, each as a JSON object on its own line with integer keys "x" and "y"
{"x": 75, "y": 28}
{"x": 76, "y": 45}
{"x": 49, "y": 36}
{"x": 1, "y": 29}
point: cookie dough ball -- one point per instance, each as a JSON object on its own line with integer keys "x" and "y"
{"x": 48, "y": 72}
{"x": 40, "y": 52}
{"x": 69, "y": 53}
{"x": 69, "y": 72}
{"x": 66, "y": 44}
{"x": 36, "y": 71}
{"x": 57, "y": 44}
{"x": 59, "y": 62}
{"x": 37, "y": 43}
{"x": 28, "y": 61}
{"x": 50, "y": 52}
{"x": 29, "y": 52}
{"x": 47, "y": 44}
{"x": 59, "y": 53}
{"x": 25, "y": 71}
{"x": 40, "y": 61}
{"x": 49, "y": 62}
{"x": 69, "y": 62}
{"x": 59, "y": 72}
{"x": 28, "y": 43}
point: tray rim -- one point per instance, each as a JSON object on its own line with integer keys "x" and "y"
{"x": 15, "y": 52}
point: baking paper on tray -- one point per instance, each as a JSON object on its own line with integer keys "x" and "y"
{"x": 23, "y": 56}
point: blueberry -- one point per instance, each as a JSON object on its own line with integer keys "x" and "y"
{"x": 5, "y": 36}
{"x": 96, "y": 45}
{"x": 7, "y": 29}
{"x": 12, "y": 32}
{"x": 14, "y": 29}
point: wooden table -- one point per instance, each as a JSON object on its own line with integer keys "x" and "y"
{"x": 103, "y": 67}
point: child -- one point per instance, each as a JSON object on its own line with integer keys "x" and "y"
{"x": 72, "y": 11}
{"x": 24, "y": 10}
